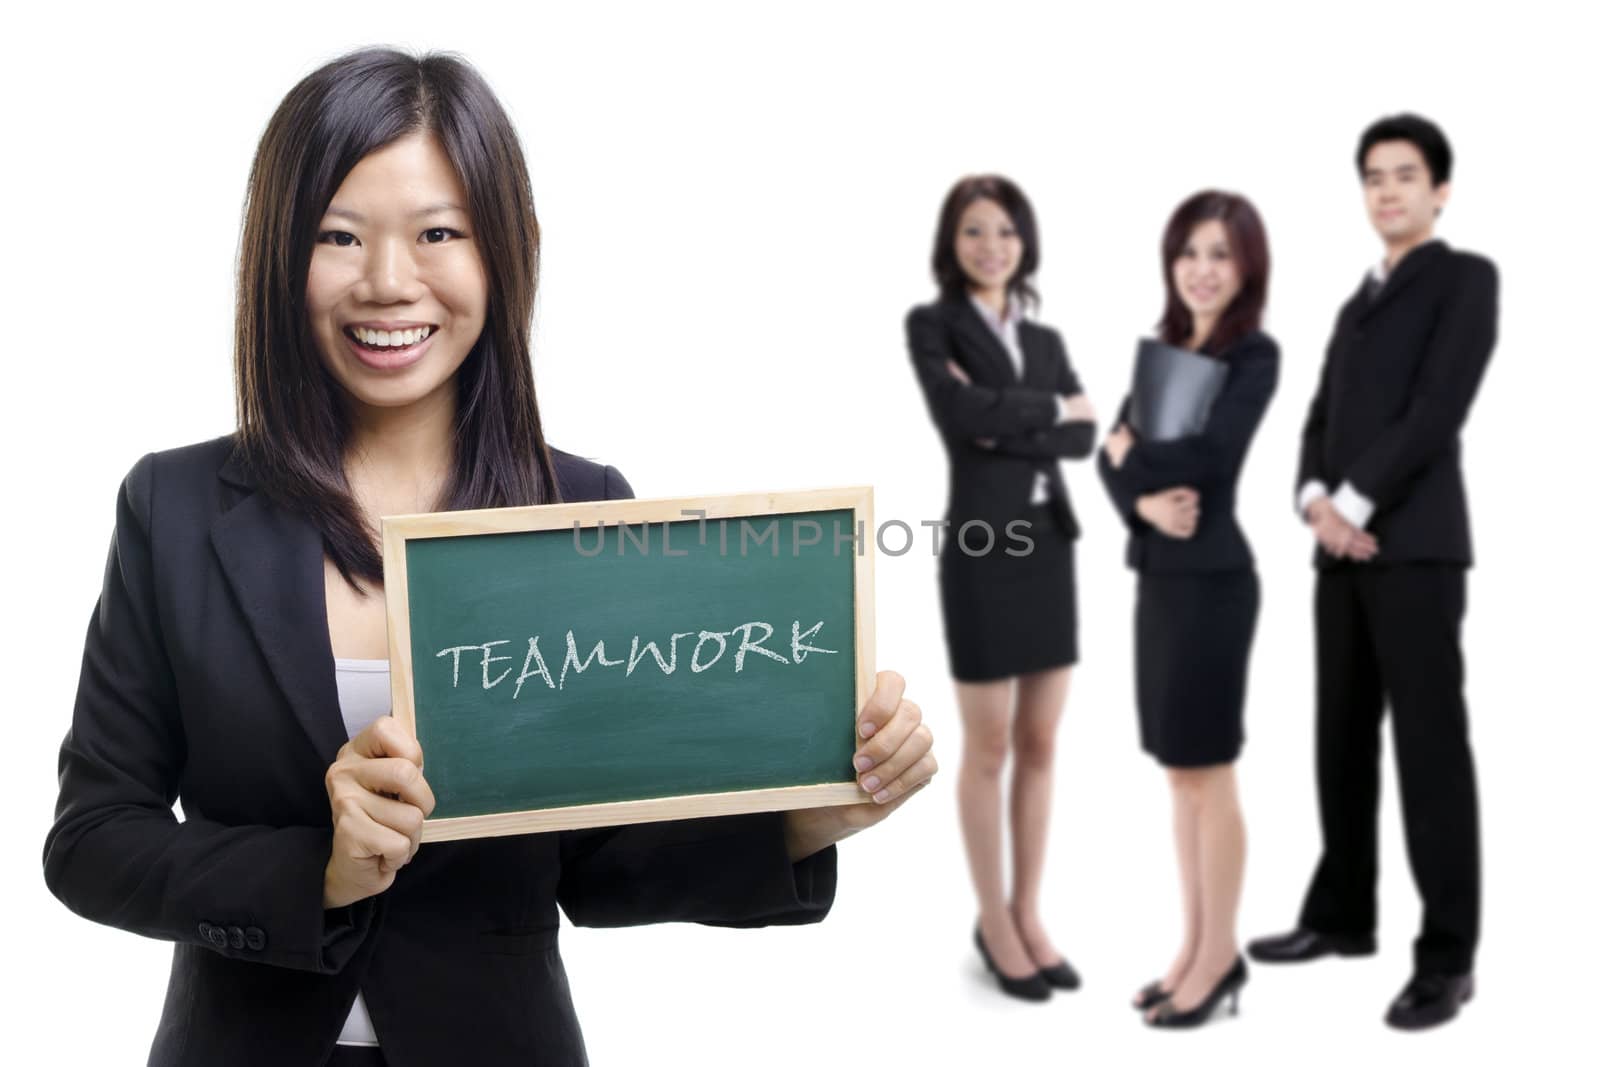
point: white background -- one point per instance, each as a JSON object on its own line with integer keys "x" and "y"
{"x": 738, "y": 206}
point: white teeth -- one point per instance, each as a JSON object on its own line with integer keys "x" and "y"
{"x": 390, "y": 338}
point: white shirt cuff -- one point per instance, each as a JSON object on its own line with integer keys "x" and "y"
{"x": 1061, "y": 409}
{"x": 1041, "y": 489}
{"x": 1312, "y": 490}
{"x": 1355, "y": 508}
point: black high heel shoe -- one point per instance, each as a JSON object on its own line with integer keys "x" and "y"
{"x": 1150, "y": 996}
{"x": 1227, "y": 989}
{"x": 1033, "y": 987}
{"x": 1061, "y": 975}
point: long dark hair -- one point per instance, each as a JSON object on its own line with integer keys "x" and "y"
{"x": 953, "y": 281}
{"x": 1247, "y": 242}
{"x": 293, "y": 422}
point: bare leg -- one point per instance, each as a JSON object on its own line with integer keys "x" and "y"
{"x": 1221, "y": 868}
{"x": 1040, "y": 699}
{"x": 986, "y": 721}
{"x": 1186, "y": 838}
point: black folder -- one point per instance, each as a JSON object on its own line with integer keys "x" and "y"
{"x": 1173, "y": 390}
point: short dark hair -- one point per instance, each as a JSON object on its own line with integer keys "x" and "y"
{"x": 293, "y": 424}
{"x": 1415, "y": 129}
{"x": 953, "y": 281}
{"x": 1247, "y": 241}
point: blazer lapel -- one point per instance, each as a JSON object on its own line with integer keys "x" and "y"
{"x": 273, "y": 561}
{"x": 1033, "y": 357}
{"x": 1414, "y": 263}
{"x": 979, "y": 337}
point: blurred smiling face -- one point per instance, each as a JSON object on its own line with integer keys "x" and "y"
{"x": 988, "y": 247}
{"x": 1402, "y": 199}
{"x": 1205, "y": 273}
{"x": 397, "y": 292}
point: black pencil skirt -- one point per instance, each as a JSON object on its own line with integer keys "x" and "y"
{"x": 1192, "y": 635}
{"x": 1010, "y": 615}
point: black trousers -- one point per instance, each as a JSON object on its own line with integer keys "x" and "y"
{"x": 1394, "y": 632}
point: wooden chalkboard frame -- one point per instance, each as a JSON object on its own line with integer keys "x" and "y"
{"x": 399, "y": 529}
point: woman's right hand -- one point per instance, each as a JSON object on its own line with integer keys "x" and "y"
{"x": 378, "y": 799}
{"x": 1078, "y": 408}
{"x": 1174, "y": 512}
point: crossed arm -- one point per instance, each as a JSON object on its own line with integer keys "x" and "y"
{"x": 1161, "y": 483}
{"x": 1013, "y": 420}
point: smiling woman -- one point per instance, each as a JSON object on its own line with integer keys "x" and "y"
{"x": 407, "y": 208}
{"x": 1198, "y": 596}
{"x": 368, "y": 261}
{"x": 1008, "y": 407}
{"x": 235, "y": 661}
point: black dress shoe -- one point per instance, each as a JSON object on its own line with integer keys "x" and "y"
{"x": 1297, "y": 946}
{"x": 1151, "y": 995}
{"x": 1225, "y": 991}
{"x": 1033, "y": 987}
{"x": 1428, "y": 1000}
{"x": 1061, "y": 975}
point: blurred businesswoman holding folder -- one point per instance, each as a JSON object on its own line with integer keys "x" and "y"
{"x": 1008, "y": 407}
{"x": 235, "y": 660}
{"x": 1171, "y": 467}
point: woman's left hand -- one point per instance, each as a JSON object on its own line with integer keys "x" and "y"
{"x": 1117, "y": 444}
{"x": 894, "y": 758}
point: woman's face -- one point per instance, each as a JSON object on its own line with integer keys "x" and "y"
{"x": 988, "y": 247}
{"x": 1205, "y": 273}
{"x": 397, "y": 292}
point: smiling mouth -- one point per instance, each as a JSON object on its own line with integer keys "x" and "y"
{"x": 387, "y": 340}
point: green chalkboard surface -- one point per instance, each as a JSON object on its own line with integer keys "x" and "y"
{"x": 631, "y": 659}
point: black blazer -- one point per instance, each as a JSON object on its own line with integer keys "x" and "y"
{"x": 1400, "y": 373}
{"x": 208, "y": 679}
{"x": 994, "y": 484}
{"x": 1208, "y": 462}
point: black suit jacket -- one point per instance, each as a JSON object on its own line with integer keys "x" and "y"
{"x": 208, "y": 679}
{"x": 1208, "y": 462}
{"x": 1400, "y": 373}
{"x": 995, "y": 483}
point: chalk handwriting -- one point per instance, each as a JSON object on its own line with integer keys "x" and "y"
{"x": 708, "y": 649}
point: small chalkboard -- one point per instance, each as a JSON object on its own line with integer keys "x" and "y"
{"x": 624, "y": 661}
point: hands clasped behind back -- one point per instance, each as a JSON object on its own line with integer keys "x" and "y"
{"x": 378, "y": 799}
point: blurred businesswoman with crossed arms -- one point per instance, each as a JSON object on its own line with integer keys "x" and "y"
{"x": 1198, "y": 596}
{"x": 235, "y": 660}
{"x": 1008, "y": 406}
